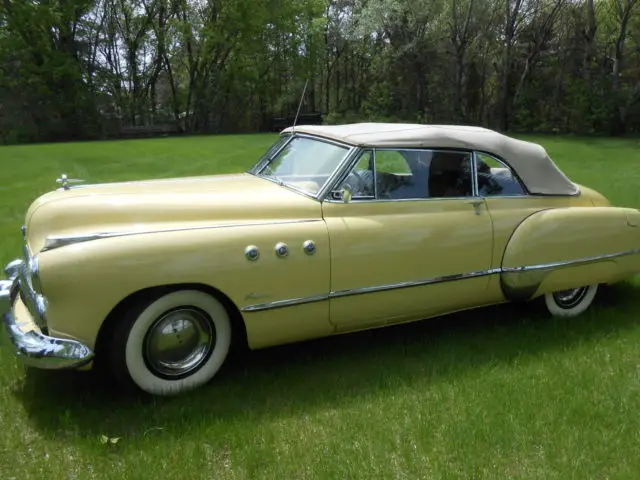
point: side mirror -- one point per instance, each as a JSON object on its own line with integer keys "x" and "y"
{"x": 343, "y": 194}
{"x": 346, "y": 195}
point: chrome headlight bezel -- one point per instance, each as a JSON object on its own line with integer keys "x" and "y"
{"x": 34, "y": 273}
{"x": 32, "y": 264}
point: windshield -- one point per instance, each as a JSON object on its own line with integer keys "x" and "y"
{"x": 272, "y": 149}
{"x": 304, "y": 163}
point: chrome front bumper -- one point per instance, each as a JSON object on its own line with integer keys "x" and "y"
{"x": 30, "y": 345}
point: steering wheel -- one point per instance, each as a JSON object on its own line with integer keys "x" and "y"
{"x": 361, "y": 187}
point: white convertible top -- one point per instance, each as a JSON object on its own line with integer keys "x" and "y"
{"x": 529, "y": 160}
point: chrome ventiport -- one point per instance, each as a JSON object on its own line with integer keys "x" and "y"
{"x": 252, "y": 253}
{"x": 282, "y": 250}
{"x": 309, "y": 247}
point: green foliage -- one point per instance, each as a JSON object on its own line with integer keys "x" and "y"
{"x": 42, "y": 93}
{"x": 88, "y": 68}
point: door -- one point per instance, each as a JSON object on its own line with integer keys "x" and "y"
{"x": 412, "y": 242}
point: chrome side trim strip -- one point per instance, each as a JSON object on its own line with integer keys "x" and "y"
{"x": 285, "y": 303}
{"x": 565, "y": 263}
{"x": 521, "y": 283}
{"x": 57, "y": 241}
{"x": 364, "y": 290}
{"x": 367, "y": 200}
{"x": 433, "y": 199}
{"x": 419, "y": 283}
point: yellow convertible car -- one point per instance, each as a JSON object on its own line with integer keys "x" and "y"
{"x": 335, "y": 229}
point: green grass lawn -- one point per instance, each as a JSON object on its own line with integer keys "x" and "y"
{"x": 497, "y": 393}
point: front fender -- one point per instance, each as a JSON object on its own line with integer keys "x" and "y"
{"x": 569, "y": 247}
{"x": 85, "y": 281}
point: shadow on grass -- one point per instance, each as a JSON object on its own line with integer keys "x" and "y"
{"x": 328, "y": 373}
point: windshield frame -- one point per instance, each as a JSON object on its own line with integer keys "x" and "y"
{"x": 268, "y": 157}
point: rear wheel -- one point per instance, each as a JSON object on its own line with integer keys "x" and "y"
{"x": 172, "y": 344}
{"x": 572, "y": 302}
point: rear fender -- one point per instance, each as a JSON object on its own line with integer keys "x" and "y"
{"x": 564, "y": 248}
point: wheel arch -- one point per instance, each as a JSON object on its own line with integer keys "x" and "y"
{"x": 239, "y": 331}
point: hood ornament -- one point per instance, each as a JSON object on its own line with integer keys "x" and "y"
{"x": 66, "y": 181}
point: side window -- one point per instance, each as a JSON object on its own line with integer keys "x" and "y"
{"x": 495, "y": 179}
{"x": 398, "y": 176}
{"x": 423, "y": 174}
{"x": 360, "y": 180}
{"x": 392, "y": 161}
{"x": 410, "y": 175}
{"x": 450, "y": 175}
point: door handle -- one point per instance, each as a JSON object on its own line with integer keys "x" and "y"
{"x": 476, "y": 205}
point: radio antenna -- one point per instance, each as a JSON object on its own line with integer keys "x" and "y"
{"x": 295, "y": 120}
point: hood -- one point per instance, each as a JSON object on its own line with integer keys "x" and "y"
{"x": 190, "y": 202}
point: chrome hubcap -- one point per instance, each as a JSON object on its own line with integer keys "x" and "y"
{"x": 179, "y": 342}
{"x": 570, "y": 298}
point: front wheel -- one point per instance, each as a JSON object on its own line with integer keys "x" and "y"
{"x": 572, "y": 302}
{"x": 172, "y": 344}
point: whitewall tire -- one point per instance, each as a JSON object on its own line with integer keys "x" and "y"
{"x": 172, "y": 344}
{"x": 572, "y": 302}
